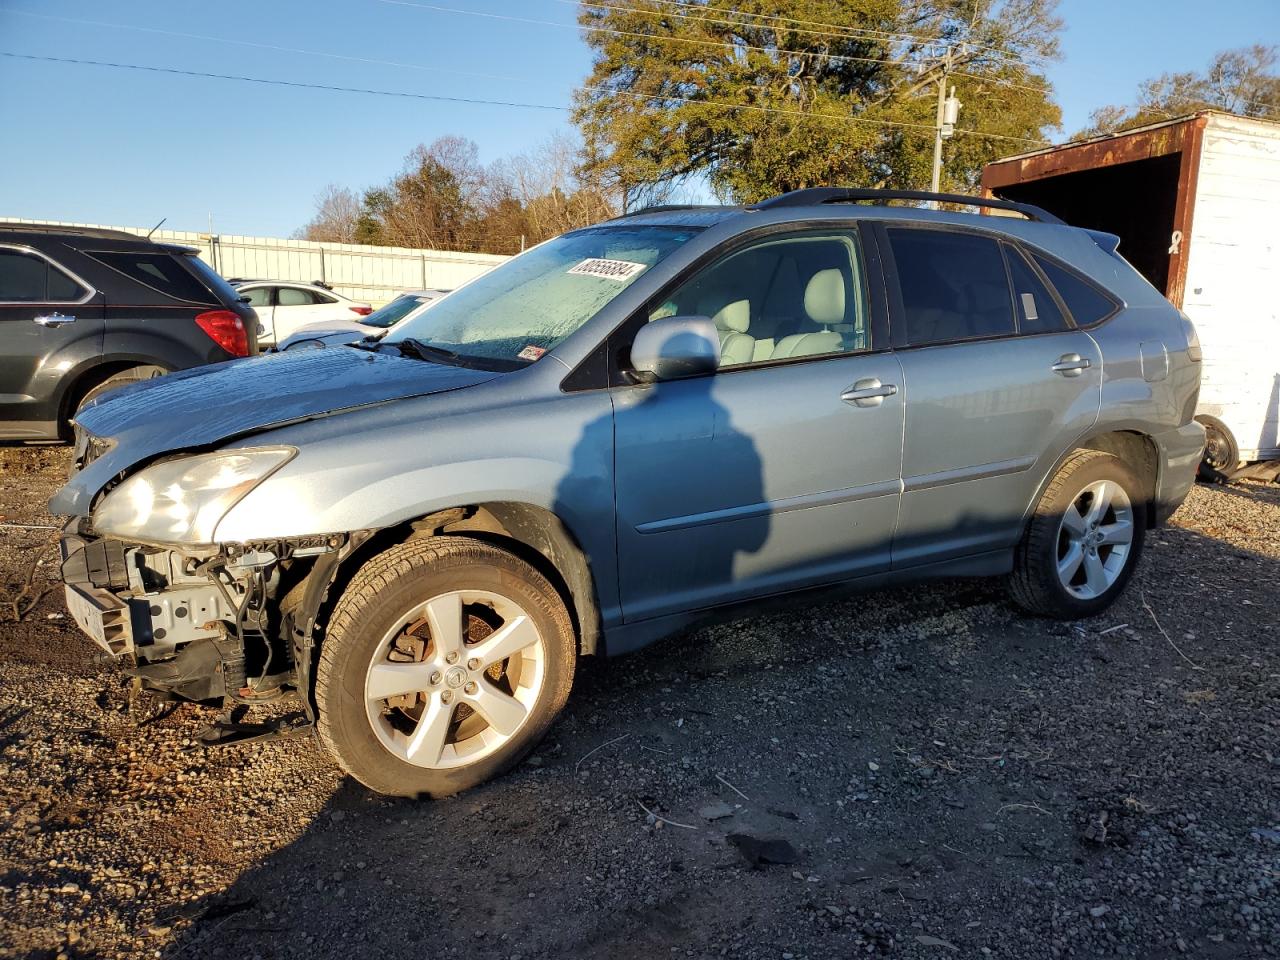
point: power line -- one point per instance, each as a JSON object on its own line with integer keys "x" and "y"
{"x": 262, "y": 46}
{"x": 771, "y": 19}
{"x": 284, "y": 83}
{"x": 643, "y": 36}
{"x": 835, "y": 31}
{"x": 802, "y": 114}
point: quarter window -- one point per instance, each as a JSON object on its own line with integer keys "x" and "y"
{"x": 27, "y": 278}
{"x": 1038, "y": 310}
{"x": 159, "y": 271}
{"x": 1087, "y": 304}
{"x": 781, "y": 298}
{"x": 953, "y": 285}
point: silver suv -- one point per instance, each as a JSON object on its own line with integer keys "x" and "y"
{"x": 612, "y": 435}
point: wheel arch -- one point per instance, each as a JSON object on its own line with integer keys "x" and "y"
{"x": 1133, "y": 446}
{"x": 533, "y": 533}
{"x": 94, "y": 375}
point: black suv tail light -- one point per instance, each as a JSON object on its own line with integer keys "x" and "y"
{"x": 226, "y": 329}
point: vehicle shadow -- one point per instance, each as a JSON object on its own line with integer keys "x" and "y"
{"x": 558, "y": 858}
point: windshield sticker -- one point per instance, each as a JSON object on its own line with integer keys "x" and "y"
{"x": 531, "y": 353}
{"x": 620, "y": 270}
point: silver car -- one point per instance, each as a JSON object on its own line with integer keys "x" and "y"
{"x": 613, "y": 435}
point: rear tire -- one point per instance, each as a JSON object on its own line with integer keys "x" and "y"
{"x": 445, "y": 662}
{"x": 1084, "y": 540}
{"x": 122, "y": 378}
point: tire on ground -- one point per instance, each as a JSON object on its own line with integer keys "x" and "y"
{"x": 379, "y": 594}
{"x": 1221, "y": 450}
{"x": 1034, "y": 584}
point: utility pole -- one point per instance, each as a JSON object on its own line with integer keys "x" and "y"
{"x": 948, "y": 113}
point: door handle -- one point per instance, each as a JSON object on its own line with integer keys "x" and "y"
{"x": 54, "y": 319}
{"x": 1071, "y": 365}
{"x": 868, "y": 393}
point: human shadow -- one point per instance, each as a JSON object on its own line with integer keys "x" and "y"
{"x": 689, "y": 497}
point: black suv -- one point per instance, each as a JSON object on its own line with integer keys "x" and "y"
{"x": 85, "y": 310}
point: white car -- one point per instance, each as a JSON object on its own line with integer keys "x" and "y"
{"x": 334, "y": 333}
{"x": 285, "y": 305}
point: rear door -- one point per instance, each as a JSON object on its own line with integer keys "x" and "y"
{"x": 50, "y": 321}
{"x": 298, "y": 306}
{"x": 998, "y": 385}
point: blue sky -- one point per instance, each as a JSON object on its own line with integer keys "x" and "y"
{"x": 127, "y": 147}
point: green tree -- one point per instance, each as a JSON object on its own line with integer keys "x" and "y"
{"x": 762, "y": 96}
{"x": 1242, "y": 81}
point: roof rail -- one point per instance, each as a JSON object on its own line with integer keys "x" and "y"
{"x": 815, "y": 196}
{"x": 666, "y": 207}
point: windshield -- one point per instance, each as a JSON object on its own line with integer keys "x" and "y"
{"x": 518, "y": 311}
{"x": 396, "y": 310}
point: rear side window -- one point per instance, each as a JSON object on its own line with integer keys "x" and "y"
{"x": 953, "y": 285}
{"x": 1086, "y": 303}
{"x": 1038, "y": 310}
{"x": 297, "y": 297}
{"x": 160, "y": 271}
{"x": 27, "y": 278}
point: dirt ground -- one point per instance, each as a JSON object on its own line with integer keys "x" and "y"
{"x": 938, "y": 775}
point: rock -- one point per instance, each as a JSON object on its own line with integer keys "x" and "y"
{"x": 1099, "y": 911}
{"x": 715, "y": 811}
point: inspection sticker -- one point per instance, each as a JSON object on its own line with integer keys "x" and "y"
{"x": 609, "y": 269}
{"x": 531, "y": 353}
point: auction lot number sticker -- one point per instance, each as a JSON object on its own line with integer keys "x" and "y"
{"x": 620, "y": 270}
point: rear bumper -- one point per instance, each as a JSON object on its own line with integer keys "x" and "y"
{"x": 1181, "y": 450}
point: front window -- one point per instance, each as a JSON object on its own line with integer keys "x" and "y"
{"x": 518, "y": 311}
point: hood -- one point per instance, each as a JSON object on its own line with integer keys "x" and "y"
{"x": 205, "y": 405}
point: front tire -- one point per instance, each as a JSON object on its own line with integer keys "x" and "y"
{"x": 446, "y": 660}
{"x": 1084, "y": 540}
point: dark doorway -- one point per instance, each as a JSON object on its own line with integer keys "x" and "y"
{"x": 1136, "y": 201}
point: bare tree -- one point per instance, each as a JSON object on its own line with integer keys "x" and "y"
{"x": 337, "y": 215}
{"x": 1241, "y": 81}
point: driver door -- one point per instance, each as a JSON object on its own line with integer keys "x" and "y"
{"x": 783, "y": 469}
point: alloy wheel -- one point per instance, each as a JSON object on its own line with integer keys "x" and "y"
{"x": 1095, "y": 539}
{"x": 455, "y": 679}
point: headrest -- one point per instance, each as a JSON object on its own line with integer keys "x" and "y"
{"x": 824, "y": 297}
{"x": 734, "y": 316}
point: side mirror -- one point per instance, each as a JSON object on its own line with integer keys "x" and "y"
{"x": 676, "y": 347}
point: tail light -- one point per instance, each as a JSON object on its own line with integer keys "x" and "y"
{"x": 363, "y": 311}
{"x": 226, "y": 329}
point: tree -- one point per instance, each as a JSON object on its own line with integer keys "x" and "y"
{"x": 444, "y": 198}
{"x": 432, "y": 203}
{"x": 762, "y": 96}
{"x": 337, "y": 215}
{"x": 1241, "y": 81}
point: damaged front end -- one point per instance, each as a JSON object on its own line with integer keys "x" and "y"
{"x": 229, "y": 624}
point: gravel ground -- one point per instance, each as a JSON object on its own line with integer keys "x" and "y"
{"x": 940, "y": 776}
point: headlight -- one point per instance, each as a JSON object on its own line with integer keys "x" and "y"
{"x": 182, "y": 500}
